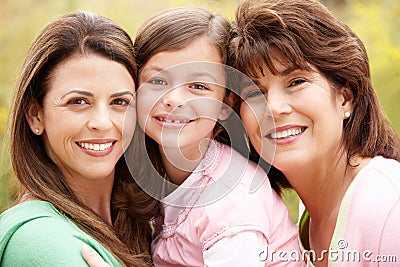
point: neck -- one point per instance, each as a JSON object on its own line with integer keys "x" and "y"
{"x": 180, "y": 162}
{"x": 322, "y": 188}
{"x": 96, "y": 194}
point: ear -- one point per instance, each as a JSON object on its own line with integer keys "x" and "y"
{"x": 34, "y": 116}
{"x": 227, "y": 107}
{"x": 346, "y": 98}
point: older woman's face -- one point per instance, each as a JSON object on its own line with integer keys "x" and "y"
{"x": 83, "y": 115}
{"x": 295, "y": 118}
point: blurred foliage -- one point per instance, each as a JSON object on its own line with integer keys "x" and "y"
{"x": 376, "y": 22}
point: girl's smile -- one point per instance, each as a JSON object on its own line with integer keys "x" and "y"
{"x": 180, "y": 97}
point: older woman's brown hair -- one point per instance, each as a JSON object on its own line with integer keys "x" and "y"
{"x": 78, "y": 33}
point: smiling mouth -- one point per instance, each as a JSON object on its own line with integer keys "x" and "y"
{"x": 173, "y": 121}
{"x": 286, "y": 133}
{"x": 95, "y": 147}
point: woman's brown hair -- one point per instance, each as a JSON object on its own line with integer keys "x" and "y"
{"x": 72, "y": 34}
{"x": 305, "y": 33}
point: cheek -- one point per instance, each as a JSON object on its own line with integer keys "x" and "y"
{"x": 143, "y": 109}
{"x": 129, "y": 125}
{"x": 251, "y": 119}
{"x": 206, "y": 108}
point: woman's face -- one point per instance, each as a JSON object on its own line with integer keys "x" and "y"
{"x": 180, "y": 96}
{"x": 83, "y": 116}
{"x": 295, "y": 119}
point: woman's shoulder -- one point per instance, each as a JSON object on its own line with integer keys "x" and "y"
{"x": 387, "y": 167}
{"x": 382, "y": 175}
{"x": 26, "y": 212}
{"x": 34, "y": 233}
{"x": 378, "y": 180}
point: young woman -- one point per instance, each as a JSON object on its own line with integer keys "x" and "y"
{"x": 312, "y": 98}
{"x": 76, "y": 88}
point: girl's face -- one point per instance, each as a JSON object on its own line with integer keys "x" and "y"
{"x": 296, "y": 114}
{"x": 83, "y": 114}
{"x": 180, "y": 96}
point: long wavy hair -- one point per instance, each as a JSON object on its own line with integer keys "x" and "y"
{"x": 78, "y": 33}
{"x": 305, "y": 33}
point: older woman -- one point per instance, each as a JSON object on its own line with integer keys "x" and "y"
{"x": 312, "y": 103}
{"x": 75, "y": 90}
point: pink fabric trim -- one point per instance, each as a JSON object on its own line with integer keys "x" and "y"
{"x": 232, "y": 230}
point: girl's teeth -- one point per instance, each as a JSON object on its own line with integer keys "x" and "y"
{"x": 173, "y": 121}
{"x": 286, "y": 133}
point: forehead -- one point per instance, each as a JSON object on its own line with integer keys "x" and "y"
{"x": 90, "y": 72}
{"x": 198, "y": 60}
{"x": 272, "y": 60}
{"x": 200, "y": 49}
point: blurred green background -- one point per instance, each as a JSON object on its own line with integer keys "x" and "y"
{"x": 376, "y": 22}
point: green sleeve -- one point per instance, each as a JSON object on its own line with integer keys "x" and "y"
{"x": 46, "y": 242}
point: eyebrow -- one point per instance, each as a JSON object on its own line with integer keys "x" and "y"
{"x": 86, "y": 93}
{"x": 151, "y": 68}
{"x": 122, "y": 93}
{"x": 203, "y": 74}
{"x": 192, "y": 75}
{"x": 284, "y": 72}
{"x": 77, "y": 91}
{"x": 288, "y": 70}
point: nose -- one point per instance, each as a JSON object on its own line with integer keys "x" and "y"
{"x": 174, "y": 98}
{"x": 100, "y": 119}
{"x": 278, "y": 104}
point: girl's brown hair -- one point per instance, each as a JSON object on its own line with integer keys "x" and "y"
{"x": 72, "y": 34}
{"x": 306, "y": 33}
{"x": 171, "y": 30}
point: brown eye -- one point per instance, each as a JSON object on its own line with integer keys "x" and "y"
{"x": 255, "y": 93}
{"x": 296, "y": 82}
{"x": 198, "y": 86}
{"x": 78, "y": 101}
{"x": 120, "y": 102}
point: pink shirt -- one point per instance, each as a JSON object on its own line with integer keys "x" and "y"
{"x": 367, "y": 230}
{"x": 225, "y": 198}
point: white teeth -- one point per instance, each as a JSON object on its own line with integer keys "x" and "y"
{"x": 96, "y": 147}
{"x": 286, "y": 133}
{"x": 172, "y": 121}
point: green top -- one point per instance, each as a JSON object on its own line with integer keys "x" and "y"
{"x": 35, "y": 233}
{"x": 304, "y": 225}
